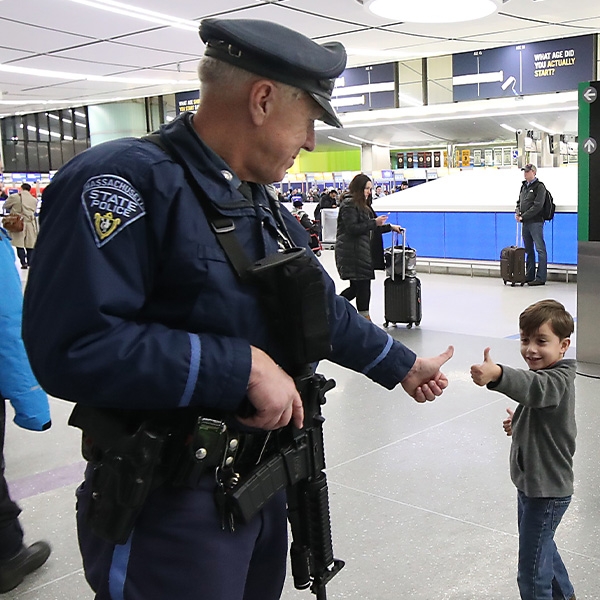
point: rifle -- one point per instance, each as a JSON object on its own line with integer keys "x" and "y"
{"x": 311, "y": 552}
{"x": 292, "y": 279}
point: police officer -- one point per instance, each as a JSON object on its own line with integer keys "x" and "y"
{"x": 132, "y": 304}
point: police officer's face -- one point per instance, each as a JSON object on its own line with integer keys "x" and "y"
{"x": 289, "y": 128}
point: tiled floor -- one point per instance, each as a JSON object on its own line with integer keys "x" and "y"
{"x": 421, "y": 500}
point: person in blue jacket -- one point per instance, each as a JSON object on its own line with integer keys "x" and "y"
{"x": 132, "y": 305}
{"x": 30, "y": 403}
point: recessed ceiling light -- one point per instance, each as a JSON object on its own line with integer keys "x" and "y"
{"x": 431, "y": 11}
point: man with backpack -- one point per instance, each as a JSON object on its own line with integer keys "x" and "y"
{"x": 530, "y": 211}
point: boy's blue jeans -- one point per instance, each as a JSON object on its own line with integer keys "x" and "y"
{"x": 542, "y": 574}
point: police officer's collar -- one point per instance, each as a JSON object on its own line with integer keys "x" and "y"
{"x": 225, "y": 169}
{"x": 211, "y": 172}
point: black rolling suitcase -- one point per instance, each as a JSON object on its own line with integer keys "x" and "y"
{"x": 512, "y": 263}
{"x": 402, "y": 291}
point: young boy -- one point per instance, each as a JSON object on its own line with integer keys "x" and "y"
{"x": 543, "y": 442}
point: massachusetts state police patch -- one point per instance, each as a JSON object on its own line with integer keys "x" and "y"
{"x": 111, "y": 203}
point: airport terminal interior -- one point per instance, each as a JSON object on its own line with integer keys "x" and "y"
{"x": 422, "y": 504}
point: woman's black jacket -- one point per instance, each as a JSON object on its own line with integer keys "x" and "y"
{"x": 357, "y": 232}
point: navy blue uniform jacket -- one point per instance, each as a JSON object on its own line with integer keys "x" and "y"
{"x": 131, "y": 302}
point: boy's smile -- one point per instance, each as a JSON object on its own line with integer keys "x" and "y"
{"x": 543, "y": 348}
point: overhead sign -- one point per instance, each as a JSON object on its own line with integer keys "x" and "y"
{"x": 365, "y": 88}
{"x": 524, "y": 69}
{"x": 187, "y": 101}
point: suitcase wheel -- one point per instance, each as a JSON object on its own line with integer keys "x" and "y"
{"x": 512, "y": 284}
{"x": 409, "y": 325}
{"x": 386, "y": 324}
{"x": 418, "y": 323}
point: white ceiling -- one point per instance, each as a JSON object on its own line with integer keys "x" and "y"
{"x": 66, "y": 36}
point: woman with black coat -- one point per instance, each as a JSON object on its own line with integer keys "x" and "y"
{"x": 358, "y": 244}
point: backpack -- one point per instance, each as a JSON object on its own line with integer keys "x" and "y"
{"x": 549, "y": 207}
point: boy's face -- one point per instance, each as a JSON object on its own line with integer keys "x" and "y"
{"x": 543, "y": 348}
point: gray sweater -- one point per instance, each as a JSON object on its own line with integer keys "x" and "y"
{"x": 543, "y": 428}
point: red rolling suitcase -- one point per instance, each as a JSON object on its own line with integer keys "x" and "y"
{"x": 402, "y": 292}
{"x": 512, "y": 263}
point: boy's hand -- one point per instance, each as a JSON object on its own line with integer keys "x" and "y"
{"x": 486, "y": 372}
{"x": 507, "y": 423}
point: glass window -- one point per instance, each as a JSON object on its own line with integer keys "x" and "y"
{"x": 56, "y": 160}
{"x": 80, "y": 146}
{"x": 40, "y": 142}
{"x": 54, "y": 125}
{"x": 81, "y": 123}
{"x": 68, "y": 150}
{"x": 20, "y": 163}
{"x": 42, "y": 127}
{"x": 66, "y": 119}
{"x": 10, "y": 156}
{"x": 43, "y": 157}
{"x": 31, "y": 127}
{"x": 33, "y": 163}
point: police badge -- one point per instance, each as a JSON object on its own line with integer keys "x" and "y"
{"x": 111, "y": 203}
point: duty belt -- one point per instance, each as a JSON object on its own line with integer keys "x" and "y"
{"x": 250, "y": 468}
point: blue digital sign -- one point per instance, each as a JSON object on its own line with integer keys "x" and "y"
{"x": 524, "y": 69}
{"x": 365, "y": 88}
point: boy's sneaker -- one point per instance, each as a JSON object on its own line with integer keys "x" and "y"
{"x": 25, "y": 561}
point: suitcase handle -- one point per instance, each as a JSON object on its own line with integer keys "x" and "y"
{"x": 395, "y": 243}
{"x": 519, "y": 234}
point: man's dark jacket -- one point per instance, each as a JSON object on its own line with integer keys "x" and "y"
{"x": 531, "y": 202}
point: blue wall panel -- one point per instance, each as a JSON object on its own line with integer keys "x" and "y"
{"x": 470, "y": 235}
{"x": 481, "y": 236}
{"x": 564, "y": 235}
{"x": 506, "y": 232}
{"x": 424, "y": 231}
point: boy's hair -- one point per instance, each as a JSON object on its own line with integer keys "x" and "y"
{"x": 534, "y": 316}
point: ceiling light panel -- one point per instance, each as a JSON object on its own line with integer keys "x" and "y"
{"x": 431, "y": 11}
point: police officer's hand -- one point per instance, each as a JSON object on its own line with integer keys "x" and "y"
{"x": 425, "y": 381}
{"x": 273, "y": 394}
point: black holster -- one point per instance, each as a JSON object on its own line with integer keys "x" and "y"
{"x": 125, "y": 457}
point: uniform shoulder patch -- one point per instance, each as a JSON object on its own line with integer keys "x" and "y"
{"x": 110, "y": 203}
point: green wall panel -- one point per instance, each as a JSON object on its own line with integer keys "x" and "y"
{"x": 323, "y": 162}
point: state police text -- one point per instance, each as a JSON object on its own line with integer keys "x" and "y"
{"x": 108, "y": 200}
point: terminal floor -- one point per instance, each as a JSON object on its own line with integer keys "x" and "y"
{"x": 422, "y": 505}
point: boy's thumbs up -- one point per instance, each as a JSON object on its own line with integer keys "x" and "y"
{"x": 487, "y": 371}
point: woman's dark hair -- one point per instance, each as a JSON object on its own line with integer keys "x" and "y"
{"x": 26, "y": 187}
{"x": 357, "y": 190}
{"x": 551, "y": 311}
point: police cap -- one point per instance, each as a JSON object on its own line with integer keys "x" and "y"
{"x": 276, "y": 52}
